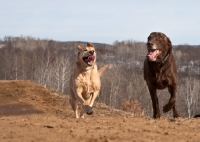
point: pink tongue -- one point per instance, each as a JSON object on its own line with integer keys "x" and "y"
{"x": 90, "y": 58}
{"x": 152, "y": 55}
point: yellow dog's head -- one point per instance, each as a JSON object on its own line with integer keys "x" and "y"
{"x": 86, "y": 55}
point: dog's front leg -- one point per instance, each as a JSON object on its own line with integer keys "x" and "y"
{"x": 155, "y": 103}
{"x": 171, "y": 104}
{"x": 88, "y": 108}
{"x": 93, "y": 98}
{"x": 85, "y": 105}
{"x": 82, "y": 101}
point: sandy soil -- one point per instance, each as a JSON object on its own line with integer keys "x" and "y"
{"x": 32, "y": 113}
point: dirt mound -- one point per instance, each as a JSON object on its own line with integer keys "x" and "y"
{"x": 29, "y": 112}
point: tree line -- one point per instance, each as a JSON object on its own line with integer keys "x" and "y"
{"x": 50, "y": 64}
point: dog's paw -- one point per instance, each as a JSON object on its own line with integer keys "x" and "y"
{"x": 90, "y": 113}
{"x": 156, "y": 116}
{"x": 88, "y": 110}
{"x": 168, "y": 106}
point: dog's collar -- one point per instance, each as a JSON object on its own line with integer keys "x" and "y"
{"x": 165, "y": 59}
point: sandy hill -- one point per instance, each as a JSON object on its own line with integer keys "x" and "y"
{"x": 30, "y": 112}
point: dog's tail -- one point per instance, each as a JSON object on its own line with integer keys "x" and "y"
{"x": 101, "y": 70}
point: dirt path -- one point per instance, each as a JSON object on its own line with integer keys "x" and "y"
{"x": 29, "y": 112}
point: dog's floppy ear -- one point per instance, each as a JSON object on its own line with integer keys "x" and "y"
{"x": 169, "y": 44}
{"x": 90, "y": 44}
{"x": 79, "y": 47}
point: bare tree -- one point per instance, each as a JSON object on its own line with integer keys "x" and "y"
{"x": 61, "y": 72}
{"x": 190, "y": 91}
{"x": 43, "y": 67}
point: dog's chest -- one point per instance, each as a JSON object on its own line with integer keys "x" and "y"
{"x": 89, "y": 84}
{"x": 160, "y": 80}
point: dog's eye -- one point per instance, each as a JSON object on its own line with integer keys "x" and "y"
{"x": 85, "y": 50}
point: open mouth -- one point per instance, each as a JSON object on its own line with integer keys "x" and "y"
{"x": 89, "y": 60}
{"x": 153, "y": 54}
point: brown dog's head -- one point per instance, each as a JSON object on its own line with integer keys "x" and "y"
{"x": 159, "y": 46}
{"x": 86, "y": 55}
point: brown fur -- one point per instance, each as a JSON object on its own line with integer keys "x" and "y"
{"x": 161, "y": 72}
{"x": 85, "y": 81}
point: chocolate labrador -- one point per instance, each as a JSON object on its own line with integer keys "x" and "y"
{"x": 160, "y": 71}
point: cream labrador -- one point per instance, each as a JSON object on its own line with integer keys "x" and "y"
{"x": 85, "y": 81}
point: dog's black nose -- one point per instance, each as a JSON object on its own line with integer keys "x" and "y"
{"x": 91, "y": 52}
{"x": 150, "y": 44}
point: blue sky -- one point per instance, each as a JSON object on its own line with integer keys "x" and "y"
{"x": 102, "y": 21}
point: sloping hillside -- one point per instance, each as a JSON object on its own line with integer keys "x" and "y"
{"x": 29, "y": 112}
